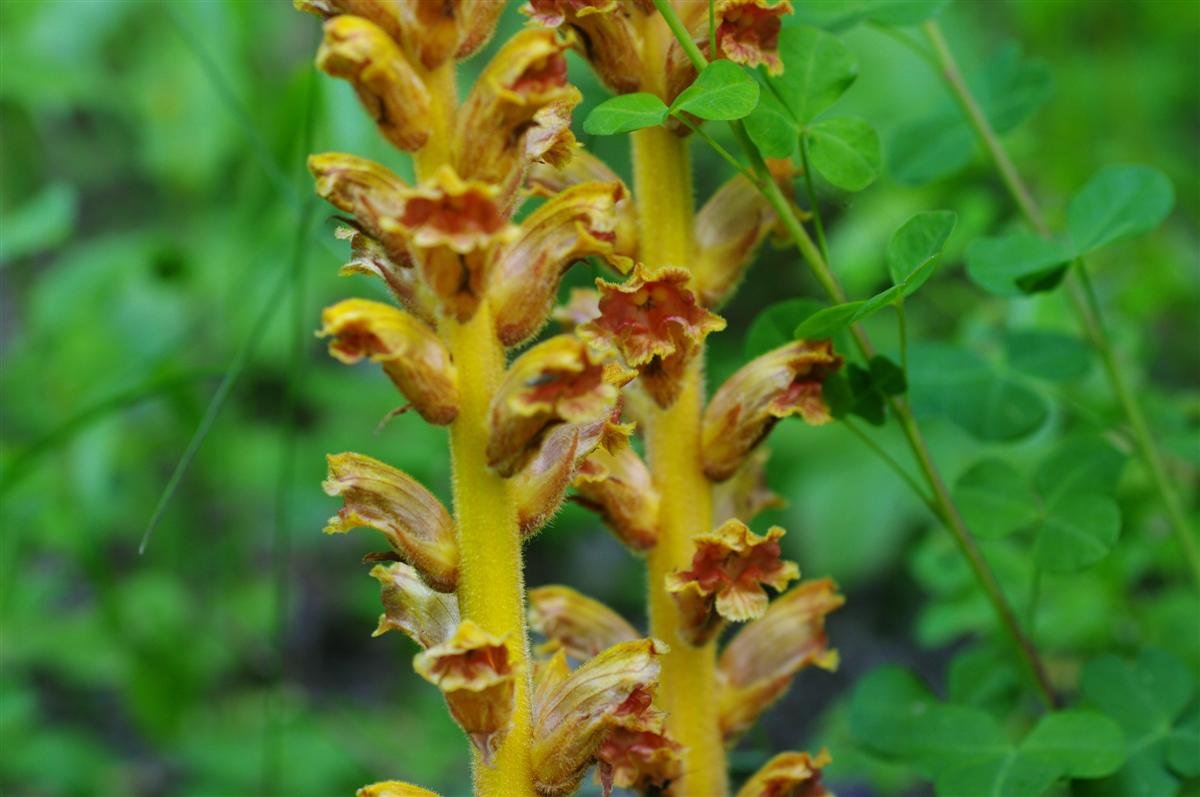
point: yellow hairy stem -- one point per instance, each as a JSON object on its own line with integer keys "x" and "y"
{"x": 663, "y": 191}
{"x": 491, "y": 582}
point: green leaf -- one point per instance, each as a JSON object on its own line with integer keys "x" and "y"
{"x": 825, "y": 322}
{"x": 1016, "y": 264}
{"x": 995, "y": 773}
{"x": 915, "y": 248}
{"x": 771, "y": 126}
{"x": 773, "y": 327}
{"x": 722, "y": 92}
{"x": 951, "y": 381}
{"x": 817, "y": 69}
{"x": 1120, "y": 201}
{"x": 845, "y": 151}
{"x": 887, "y": 377}
{"x": 625, "y": 113}
{"x": 995, "y": 500}
{"x": 1079, "y": 530}
{"x": 984, "y": 677}
{"x": 1082, "y": 465}
{"x": 903, "y": 12}
{"x": 1183, "y": 748}
{"x": 1048, "y": 355}
{"x": 866, "y": 401}
{"x": 1084, "y": 744}
{"x": 845, "y": 14}
{"x": 42, "y": 222}
{"x": 927, "y": 149}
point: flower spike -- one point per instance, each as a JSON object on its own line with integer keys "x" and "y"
{"x": 394, "y": 788}
{"x": 789, "y": 775}
{"x": 388, "y": 87}
{"x": 581, "y": 626}
{"x": 572, "y": 712}
{"x": 758, "y": 664}
{"x": 654, "y": 321}
{"x": 607, "y": 35}
{"x": 783, "y": 382}
{"x": 558, "y": 380}
{"x": 729, "y": 569}
{"x": 387, "y": 499}
{"x": 427, "y": 616}
{"x": 413, "y": 356}
{"x": 523, "y": 279}
{"x": 729, "y": 229}
{"x": 473, "y": 671}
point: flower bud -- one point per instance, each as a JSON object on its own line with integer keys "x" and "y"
{"x": 473, "y": 670}
{"x": 360, "y": 52}
{"x": 413, "y": 357}
{"x": 654, "y": 321}
{"x": 527, "y": 75}
{"x": 783, "y": 382}
{"x": 369, "y": 192}
{"x": 523, "y": 278}
{"x": 394, "y": 788}
{"x": 618, "y": 486}
{"x": 789, "y": 775}
{"x": 558, "y": 380}
{"x": 547, "y": 180}
{"x": 729, "y": 229}
{"x": 427, "y": 616}
{"x": 390, "y": 501}
{"x": 581, "y": 626}
{"x": 725, "y": 582}
{"x": 367, "y": 256}
{"x": 758, "y": 664}
{"x": 572, "y": 712}
{"x": 607, "y": 35}
{"x": 746, "y": 493}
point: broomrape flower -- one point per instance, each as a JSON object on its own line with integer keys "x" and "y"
{"x": 789, "y": 775}
{"x": 393, "y": 788}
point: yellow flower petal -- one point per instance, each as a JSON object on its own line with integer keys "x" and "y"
{"x": 758, "y": 664}
{"x": 477, "y": 678}
{"x": 571, "y": 718}
{"x": 390, "y": 501}
{"x": 618, "y": 486}
{"x": 654, "y": 321}
{"x": 729, "y": 229}
{"x": 394, "y": 788}
{"x": 582, "y": 626}
{"x": 547, "y": 179}
{"x": 361, "y": 52}
{"x": 607, "y": 34}
{"x": 558, "y": 380}
{"x": 523, "y": 279}
{"x": 427, "y": 616}
{"x": 783, "y": 382}
{"x": 789, "y": 775}
{"x": 369, "y": 192}
{"x": 412, "y": 355}
{"x": 725, "y": 582}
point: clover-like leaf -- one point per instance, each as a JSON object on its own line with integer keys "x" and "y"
{"x": 771, "y": 125}
{"x": 774, "y": 325}
{"x": 1018, "y": 263}
{"x": 915, "y": 249}
{"x": 1118, "y": 202}
{"x": 722, "y": 92}
{"x": 1048, "y": 355}
{"x": 845, "y": 151}
{"x": 1081, "y": 465}
{"x": 995, "y": 499}
{"x": 817, "y": 69}
{"x": 625, "y": 113}
{"x": 1079, "y": 530}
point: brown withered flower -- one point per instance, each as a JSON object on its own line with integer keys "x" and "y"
{"x": 523, "y": 279}
{"x": 572, "y": 711}
{"x": 607, "y": 34}
{"x": 389, "y": 88}
{"x": 729, "y": 230}
{"x": 559, "y": 380}
{"x": 638, "y": 755}
{"x": 783, "y": 382}
{"x": 387, "y": 499}
{"x": 412, "y": 355}
{"x": 368, "y": 191}
{"x": 653, "y": 320}
{"x": 473, "y": 670}
{"x": 427, "y": 616}
{"x": 758, "y": 664}
{"x": 729, "y": 569}
{"x": 368, "y": 257}
{"x": 581, "y": 626}
{"x": 789, "y": 775}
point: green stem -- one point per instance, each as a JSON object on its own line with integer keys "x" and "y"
{"x": 946, "y": 508}
{"x": 902, "y": 330}
{"x": 892, "y": 463}
{"x": 812, "y": 199}
{"x": 725, "y": 154}
{"x": 1083, "y": 298}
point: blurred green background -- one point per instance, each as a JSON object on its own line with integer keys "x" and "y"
{"x": 159, "y": 228}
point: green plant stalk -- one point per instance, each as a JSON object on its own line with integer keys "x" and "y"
{"x": 1083, "y": 299}
{"x": 947, "y": 510}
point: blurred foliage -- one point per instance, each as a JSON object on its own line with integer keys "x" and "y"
{"x": 156, "y": 209}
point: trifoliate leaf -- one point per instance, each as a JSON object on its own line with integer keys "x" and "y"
{"x": 1017, "y": 264}
{"x": 1118, "y": 202}
{"x": 771, "y": 126}
{"x": 625, "y": 113}
{"x": 1048, "y": 355}
{"x": 995, "y": 500}
{"x": 845, "y": 151}
{"x": 914, "y": 250}
{"x": 817, "y": 69}
{"x": 1084, "y": 744}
